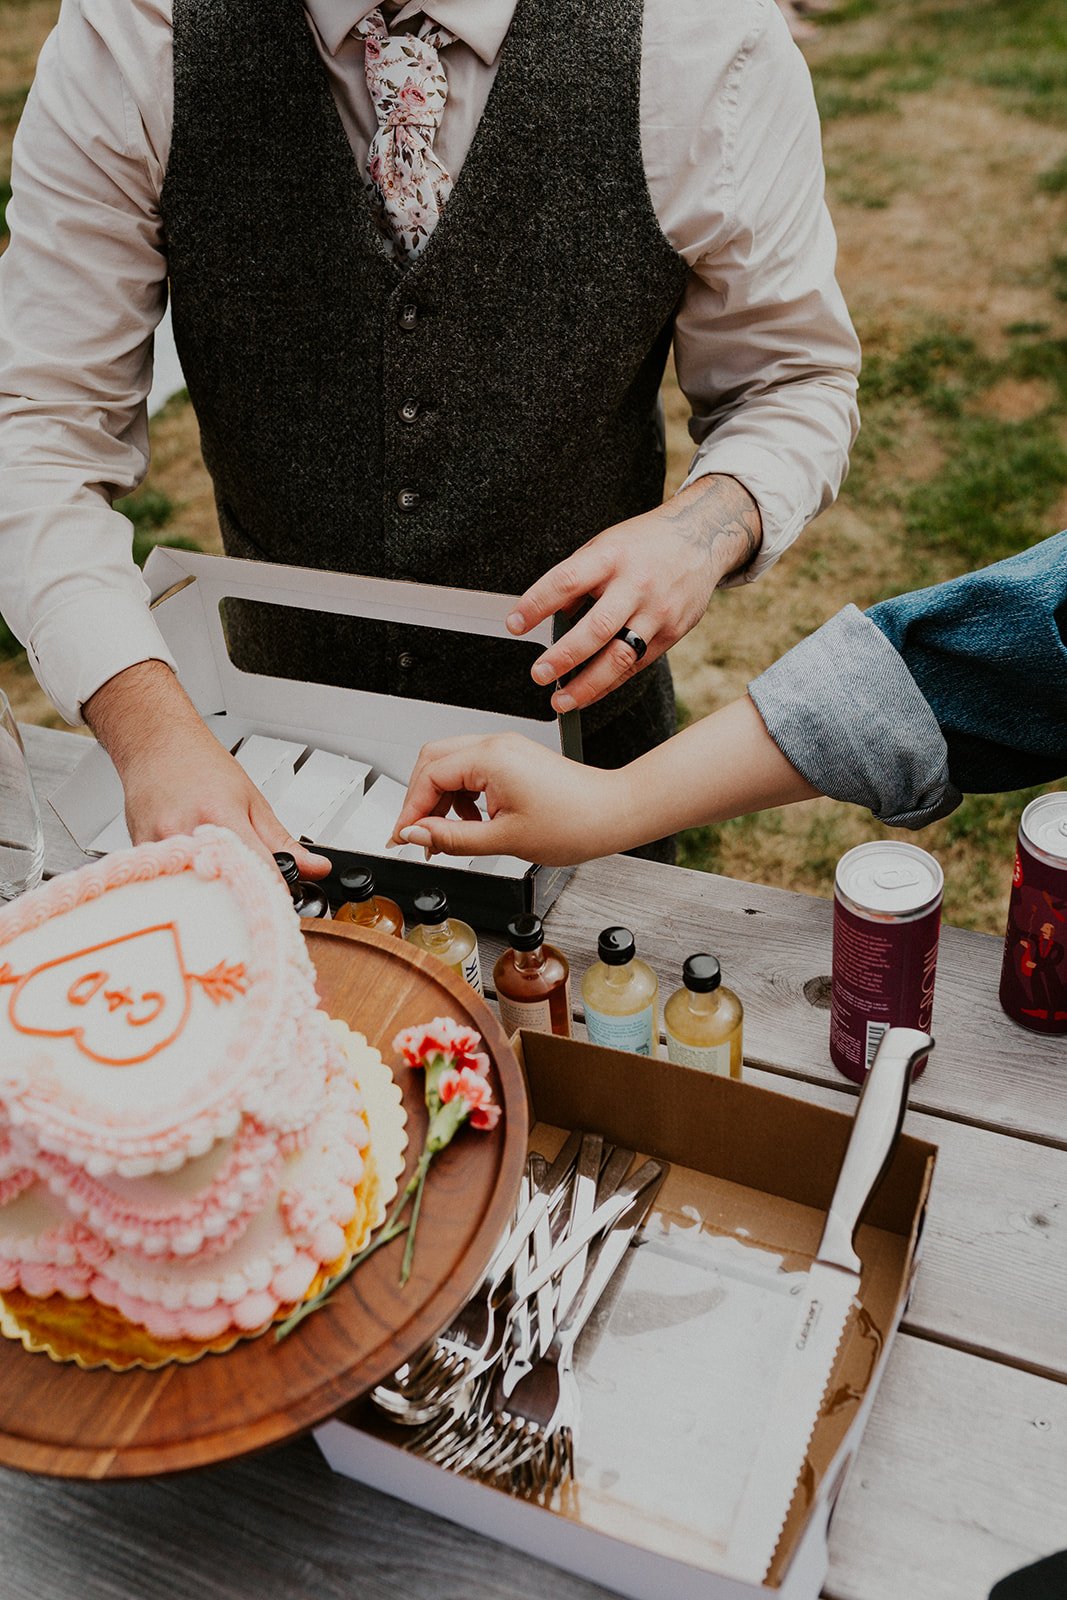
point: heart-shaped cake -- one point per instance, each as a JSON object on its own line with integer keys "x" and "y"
{"x": 183, "y": 1135}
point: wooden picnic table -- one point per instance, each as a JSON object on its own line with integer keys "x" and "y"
{"x": 962, "y": 1475}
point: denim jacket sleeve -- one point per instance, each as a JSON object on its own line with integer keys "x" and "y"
{"x": 960, "y": 687}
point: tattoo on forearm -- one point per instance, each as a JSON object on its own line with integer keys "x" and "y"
{"x": 720, "y": 519}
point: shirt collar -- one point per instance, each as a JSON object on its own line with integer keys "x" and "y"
{"x": 481, "y": 24}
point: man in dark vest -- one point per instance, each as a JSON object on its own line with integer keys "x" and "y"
{"x": 426, "y": 263}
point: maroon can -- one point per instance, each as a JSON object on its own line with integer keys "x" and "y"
{"x": 1033, "y": 978}
{"x": 887, "y": 918}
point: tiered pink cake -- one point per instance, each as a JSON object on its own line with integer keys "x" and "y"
{"x": 182, "y": 1135}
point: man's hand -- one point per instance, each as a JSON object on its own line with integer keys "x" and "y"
{"x": 175, "y": 774}
{"x": 541, "y": 806}
{"x": 654, "y": 574}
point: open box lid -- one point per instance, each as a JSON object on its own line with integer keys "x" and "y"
{"x": 188, "y": 588}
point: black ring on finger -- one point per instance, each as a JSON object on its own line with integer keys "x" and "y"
{"x": 634, "y": 640}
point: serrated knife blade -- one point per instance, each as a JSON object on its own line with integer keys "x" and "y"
{"x": 822, "y": 1314}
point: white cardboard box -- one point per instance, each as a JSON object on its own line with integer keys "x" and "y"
{"x": 752, "y": 1171}
{"x": 385, "y": 732}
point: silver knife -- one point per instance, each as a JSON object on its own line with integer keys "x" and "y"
{"x": 823, "y": 1312}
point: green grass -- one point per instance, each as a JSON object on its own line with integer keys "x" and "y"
{"x": 150, "y": 511}
{"x": 1000, "y": 480}
{"x": 834, "y": 103}
{"x": 995, "y": 494}
{"x": 13, "y": 100}
{"x": 1015, "y": 48}
{"x": 5, "y": 196}
{"x": 1054, "y": 180}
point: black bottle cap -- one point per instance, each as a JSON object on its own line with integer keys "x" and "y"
{"x": 287, "y": 866}
{"x": 616, "y": 947}
{"x": 358, "y": 884}
{"x": 525, "y": 932}
{"x": 432, "y": 907}
{"x": 701, "y": 974}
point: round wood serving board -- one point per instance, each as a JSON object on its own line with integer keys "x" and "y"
{"x": 59, "y": 1419}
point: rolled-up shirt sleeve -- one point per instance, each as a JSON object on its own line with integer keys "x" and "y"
{"x": 765, "y": 352}
{"x": 845, "y": 711}
{"x": 956, "y": 689}
{"x": 82, "y": 287}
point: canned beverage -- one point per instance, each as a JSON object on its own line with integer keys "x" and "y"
{"x": 1033, "y": 977}
{"x": 887, "y": 918}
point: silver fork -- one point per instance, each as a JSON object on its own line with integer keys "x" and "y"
{"x": 465, "y": 1431}
{"x": 535, "y": 1425}
{"x": 423, "y": 1387}
{"x": 608, "y": 1173}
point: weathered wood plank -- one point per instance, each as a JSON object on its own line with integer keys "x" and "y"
{"x": 961, "y": 1477}
{"x": 772, "y": 943}
{"x": 276, "y": 1527}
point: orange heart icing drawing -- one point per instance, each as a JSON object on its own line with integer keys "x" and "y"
{"x": 99, "y": 998}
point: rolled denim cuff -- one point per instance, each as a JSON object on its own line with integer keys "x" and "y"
{"x": 845, "y": 710}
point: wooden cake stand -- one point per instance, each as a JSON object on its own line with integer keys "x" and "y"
{"x": 56, "y": 1418}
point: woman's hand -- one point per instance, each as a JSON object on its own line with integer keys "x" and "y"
{"x": 540, "y": 806}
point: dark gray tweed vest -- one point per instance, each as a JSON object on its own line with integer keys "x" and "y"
{"x": 468, "y": 420}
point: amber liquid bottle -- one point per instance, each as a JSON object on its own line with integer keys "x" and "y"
{"x": 703, "y": 1020}
{"x": 533, "y": 981}
{"x": 308, "y": 899}
{"x": 446, "y": 937}
{"x": 366, "y": 909}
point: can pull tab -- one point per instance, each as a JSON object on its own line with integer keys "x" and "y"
{"x": 896, "y": 877}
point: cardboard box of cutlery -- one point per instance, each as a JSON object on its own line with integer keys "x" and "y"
{"x": 333, "y": 762}
{"x": 676, "y": 1367}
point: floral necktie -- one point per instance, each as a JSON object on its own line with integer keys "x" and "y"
{"x": 409, "y": 87}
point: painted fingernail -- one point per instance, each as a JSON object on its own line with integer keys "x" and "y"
{"x": 542, "y": 672}
{"x": 415, "y": 835}
{"x": 564, "y": 702}
{"x": 516, "y": 622}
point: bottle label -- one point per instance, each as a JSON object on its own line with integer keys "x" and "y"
{"x": 704, "y": 1057}
{"x": 533, "y": 1014}
{"x": 633, "y": 1033}
{"x": 471, "y": 968}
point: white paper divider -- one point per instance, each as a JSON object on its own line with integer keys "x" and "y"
{"x": 115, "y": 836}
{"x": 323, "y": 783}
{"x": 270, "y": 763}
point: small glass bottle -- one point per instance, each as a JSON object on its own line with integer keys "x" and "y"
{"x": 367, "y": 909}
{"x": 452, "y": 941}
{"x": 309, "y": 900}
{"x": 620, "y": 995}
{"x": 533, "y": 981}
{"x": 703, "y": 1020}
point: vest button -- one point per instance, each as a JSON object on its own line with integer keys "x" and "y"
{"x": 405, "y": 661}
{"x": 407, "y": 499}
{"x": 408, "y": 411}
{"x": 409, "y": 315}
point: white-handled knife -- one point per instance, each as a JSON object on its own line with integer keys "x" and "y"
{"x": 822, "y": 1313}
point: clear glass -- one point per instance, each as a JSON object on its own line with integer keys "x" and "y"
{"x": 21, "y": 833}
{"x": 453, "y": 942}
{"x": 377, "y": 912}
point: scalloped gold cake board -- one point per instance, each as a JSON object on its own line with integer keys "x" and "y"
{"x": 93, "y": 1335}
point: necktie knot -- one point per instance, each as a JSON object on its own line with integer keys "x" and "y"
{"x": 408, "y": 88}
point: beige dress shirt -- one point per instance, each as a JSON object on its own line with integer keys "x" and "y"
{"x": 764, "y": 348}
